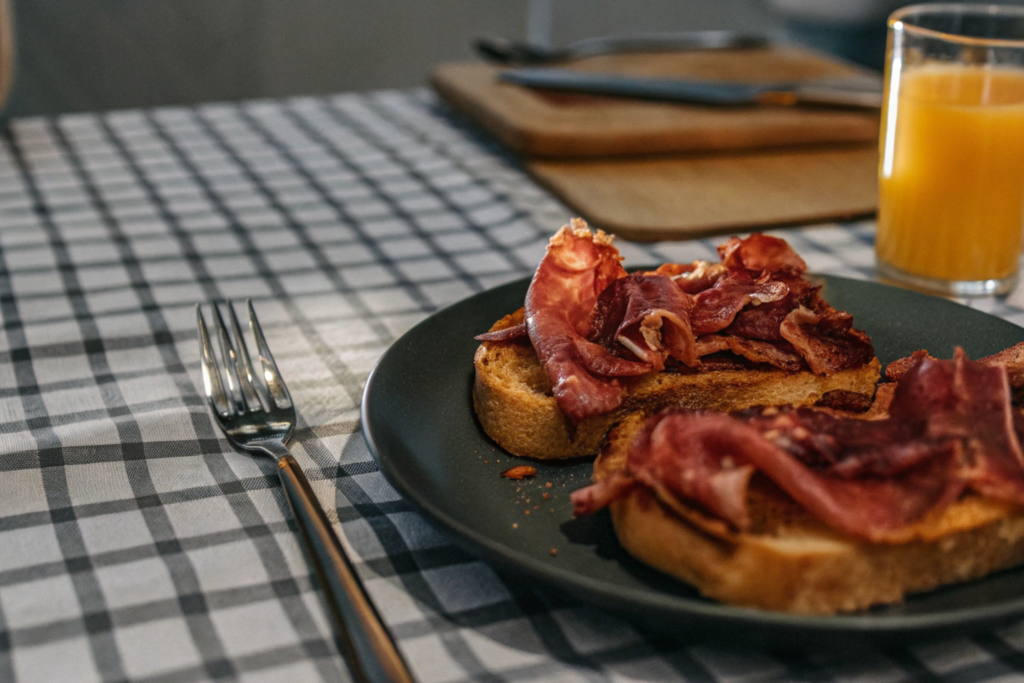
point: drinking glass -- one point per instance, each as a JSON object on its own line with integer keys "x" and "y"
{"x": 951, "y": 169}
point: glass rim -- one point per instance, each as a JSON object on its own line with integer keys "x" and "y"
{"x": 898, "y": 21}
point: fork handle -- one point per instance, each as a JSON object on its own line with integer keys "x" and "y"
{"x": 347, "y": 603}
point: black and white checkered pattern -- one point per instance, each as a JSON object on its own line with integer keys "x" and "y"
{"x": 136, "y": 544}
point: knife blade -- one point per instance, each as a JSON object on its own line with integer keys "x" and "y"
{"x": 512, "y": 52}
{"x": 857, "y": 92}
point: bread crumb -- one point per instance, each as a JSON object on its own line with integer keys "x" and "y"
{"x": 519, "y": 472}
{"x": 547, "y": 485}
{"x": 515, "y": 525}
{"x": 554, "y": 552}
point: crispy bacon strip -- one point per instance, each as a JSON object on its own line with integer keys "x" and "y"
{"x": 763, "y": 321}
{"x": 695, "y": 277}
{"x": 576, "y": 268}
{"x": 508, "y": 334}
{"x": 827, "y": 342}
{"x": 648, "y": 315}
{"x": 761, "y": 253}
{"x": 715, "y": 308}
{"x": 983, "y": 416}
{"x": 895, "y": 370}
{"x": 951, "y": 428}
{"x": 866, "y": 507}
{"x": 590, "y": 323}
{"x": 1013, "y": 360}
{"x": 751, "y": 349}
{"x": 588, "y": 500}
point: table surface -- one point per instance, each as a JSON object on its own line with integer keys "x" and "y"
{"x": 137, "y": 544}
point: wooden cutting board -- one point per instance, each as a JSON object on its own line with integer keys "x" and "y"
{"x": 537, "y": 123}
{"x": 651, "y": 171}
{"x": 662, "y": 198}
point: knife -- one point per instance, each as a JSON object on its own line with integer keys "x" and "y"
{"x": 859, "y": 92}
{"x": 511, "y": 52}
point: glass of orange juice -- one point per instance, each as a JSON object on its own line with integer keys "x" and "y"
{"x": 951, "y": 168}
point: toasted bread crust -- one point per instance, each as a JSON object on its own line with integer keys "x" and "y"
{"x": 790, "y": 561}
{"x": 512, "y": 399}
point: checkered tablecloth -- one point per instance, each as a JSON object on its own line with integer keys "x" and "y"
{"x": 136, "y": 544}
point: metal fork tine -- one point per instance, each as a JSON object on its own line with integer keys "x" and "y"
{"x": 235, "y": 397}
{"x": 212, "y": 383}
{"x": 275, "y": 385}
{"x": 252, "y": 389}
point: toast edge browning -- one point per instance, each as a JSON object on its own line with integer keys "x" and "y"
{"x": 512, "y": 401}
{"x": 793, "y": 562}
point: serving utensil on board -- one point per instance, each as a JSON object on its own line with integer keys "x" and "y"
{"x": 513, "y": 52}
{"x": 256, "y": 412}
{"x": 856, "y": 92}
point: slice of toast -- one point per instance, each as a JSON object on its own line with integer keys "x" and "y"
{"x": 512, "y": 396}
{"x": 790, "y": 561}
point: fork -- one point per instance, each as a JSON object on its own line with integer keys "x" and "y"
{"x": 257, "y": 414}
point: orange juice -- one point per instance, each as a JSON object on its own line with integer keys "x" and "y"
{"x": 951, "y": 180}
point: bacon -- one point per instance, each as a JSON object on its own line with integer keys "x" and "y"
{"x": 589, "y": 500}
{"x": 708, "y": 459}
{"x": 847, "y": 448}
{"x": 717, "y": 362}
{"x": 715, "y": 308}
{"x": 576, "y": 268}
{"x": 718, "y": 483}
{"x": 845, "y": 401}
{"x": 761, "y": 322}
{"x": 764, "y": 321}
{"x": 648, "y": 315}
{"x": 1013, "y": 360}
{"x": 751, "y": 349}
{"x": 695, "y": 277}
{"x": 879, "y": 409}
{"x": 761, "y": 253}
{"x": 827, "y": 342}
{"x": 508, "y": 334}
{"x": 895, "y": 370}
{"x": 969, "y": 401}
{"x": 982, "y": 414}
{"x": 951, "y": 428}
{"x": 591, "y": 324}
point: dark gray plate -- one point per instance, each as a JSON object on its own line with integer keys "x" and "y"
{"x": 418, "y": 420}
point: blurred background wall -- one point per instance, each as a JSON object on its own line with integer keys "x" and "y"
{"x": 101, "y": 54}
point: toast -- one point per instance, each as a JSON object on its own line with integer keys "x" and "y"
{"x": 813, "y": 511}
{"x": 512, "y": 396}
{"x": 790, "y": 561}
{"x": 600, "y": 343}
